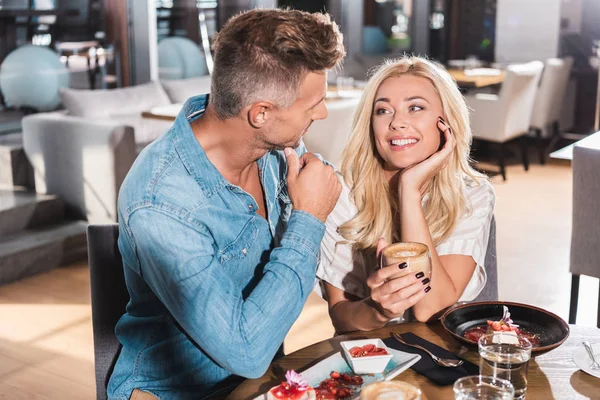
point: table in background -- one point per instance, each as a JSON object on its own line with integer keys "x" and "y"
{"x": 565, "y": 155}
{"x": 169, "y": 112}
{"x": 551, "y": 376}
{"x": 476, "y": 81}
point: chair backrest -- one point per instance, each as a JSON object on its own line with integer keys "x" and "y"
{"x": 329, "y": 136}
{"x": 517, "y": 97}
{"x": 374, "y": 40}
{"x": 109, "y": 299}
{"x": 551, "y": 92}
{"x": 490, "y": 291}
{"x": 180, "y": 58}
{"x": 31, "y": 76}
{"x": 585, "y": 252}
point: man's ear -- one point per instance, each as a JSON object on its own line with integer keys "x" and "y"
{"x": 259, "y": 113}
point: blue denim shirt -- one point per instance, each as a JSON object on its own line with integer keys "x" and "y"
{"x": 214, "y": 286}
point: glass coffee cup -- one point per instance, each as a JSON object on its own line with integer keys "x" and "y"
{"x": 410, "y": 258}
{"x": 390, "y": 390}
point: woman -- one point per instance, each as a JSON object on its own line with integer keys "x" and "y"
{"x": 406, "y": 177}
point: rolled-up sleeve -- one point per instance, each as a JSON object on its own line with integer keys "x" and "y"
{"x": 241, "y": 335}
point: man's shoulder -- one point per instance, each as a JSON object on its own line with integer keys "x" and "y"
{"x": 158, "y": 179}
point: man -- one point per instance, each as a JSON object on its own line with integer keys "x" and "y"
{"x": 221, "y": 221}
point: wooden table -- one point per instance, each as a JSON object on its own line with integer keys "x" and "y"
{"x": 165, "y": 113}
{"x": 551, "y": 376}
{"x": 476, "y": 81}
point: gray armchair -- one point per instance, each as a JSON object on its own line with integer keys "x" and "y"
{"x": 83, "y": 162}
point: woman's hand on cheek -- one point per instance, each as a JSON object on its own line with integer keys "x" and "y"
{"x": 415, "y": 179}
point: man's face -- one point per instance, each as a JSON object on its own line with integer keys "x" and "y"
{"x": 289, "y": 125}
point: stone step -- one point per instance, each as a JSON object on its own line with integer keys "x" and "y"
{"x": 38, "y": 250}
{"x": 21, "y": 210}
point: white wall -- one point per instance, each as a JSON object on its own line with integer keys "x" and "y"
{"x": 527, "y": 30}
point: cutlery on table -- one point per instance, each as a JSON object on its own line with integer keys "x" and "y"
{"x": 443, "y": 362}
{"x": 587, "y": 346}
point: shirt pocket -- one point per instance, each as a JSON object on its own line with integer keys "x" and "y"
{"x": 242, "y": 245}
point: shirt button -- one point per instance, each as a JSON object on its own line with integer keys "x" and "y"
{"x": 245, "y": 251}
{"x": 250, "y": 207}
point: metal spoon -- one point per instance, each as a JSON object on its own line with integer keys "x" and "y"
{"x": 587, "y": 346}
{"x": 443, "y": 362}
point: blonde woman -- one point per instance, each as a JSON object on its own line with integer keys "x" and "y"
{"x": 406, "y": 177}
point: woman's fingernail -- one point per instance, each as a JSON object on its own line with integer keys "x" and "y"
{"x": 427, "y": 289}
{"x": 420, "y": 275}
{"x": 402, "y": 265}
{"x": 442, "y": 119}
{"x": 426, "y": 281}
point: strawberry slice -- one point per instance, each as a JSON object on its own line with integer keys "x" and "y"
{"x": 368, "y": 347}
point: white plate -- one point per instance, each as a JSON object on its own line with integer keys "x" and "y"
{"x": 316, "y": 374}
{"x": 583, "y": 361}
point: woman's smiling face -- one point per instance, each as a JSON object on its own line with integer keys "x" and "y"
{"x": 404, "y": 121}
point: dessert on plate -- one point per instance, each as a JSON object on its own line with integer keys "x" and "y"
{"x": 295, "y": 387}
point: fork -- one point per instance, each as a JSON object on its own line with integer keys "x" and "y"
{"x": 587, "y": 346}
{"x": 443, "y": 362}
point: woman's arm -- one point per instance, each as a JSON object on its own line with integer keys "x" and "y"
{"x": 389, "y": 299}
{"x": 450, "y": 274}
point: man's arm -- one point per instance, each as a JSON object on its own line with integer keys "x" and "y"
{"x": 240, "y": 335}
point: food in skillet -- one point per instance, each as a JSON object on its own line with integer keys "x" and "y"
{"x": 510, "y": 331}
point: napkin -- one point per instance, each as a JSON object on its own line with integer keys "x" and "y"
{"x": 442, "y": 376}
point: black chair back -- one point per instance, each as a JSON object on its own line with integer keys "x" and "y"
{"x": 109, "y": 299}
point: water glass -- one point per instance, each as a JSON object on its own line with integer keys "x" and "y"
{"x": 344, "y": 86}
{"x": 508, "y": 361}
{"x": 479, "y": 387}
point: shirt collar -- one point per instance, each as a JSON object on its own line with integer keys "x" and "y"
{"x": 191, "y": 152}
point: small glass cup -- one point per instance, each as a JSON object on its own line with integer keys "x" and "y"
{"x": 479, "y": 387}
{"x": 503, "y": 360}
{"x": 411, "y": 257}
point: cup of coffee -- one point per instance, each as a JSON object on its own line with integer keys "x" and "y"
{"x": 410, "y": 258}
{"x": 386, "y": 390}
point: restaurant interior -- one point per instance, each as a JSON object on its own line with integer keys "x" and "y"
{"x": 85, "y": 85}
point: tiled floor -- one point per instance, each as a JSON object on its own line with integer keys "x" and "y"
{"x": 46, "y": 348}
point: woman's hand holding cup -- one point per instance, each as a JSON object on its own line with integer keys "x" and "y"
{"x": 403, "y": 278}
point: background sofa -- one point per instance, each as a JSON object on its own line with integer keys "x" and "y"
{"x": 82, "y": 153}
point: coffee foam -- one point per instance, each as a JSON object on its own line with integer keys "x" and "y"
{"x": 404, "y": 250}
{"x": 390, "y": 390}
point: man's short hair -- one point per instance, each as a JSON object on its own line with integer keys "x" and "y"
{"x": 265, "y": 55}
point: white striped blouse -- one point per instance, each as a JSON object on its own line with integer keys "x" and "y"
{"x": 341, "y": 269}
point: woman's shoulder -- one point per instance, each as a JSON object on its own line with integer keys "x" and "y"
{"x": 477, "y": 189}
{"x": 345, "y": 204}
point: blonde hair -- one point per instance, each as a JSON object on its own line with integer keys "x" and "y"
{"x": 362, "y": 167}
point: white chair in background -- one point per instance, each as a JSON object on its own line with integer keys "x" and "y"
{"x": 329, "y": 136}
{"x": 549, "y": 101}
{"x": 507, "y": 115}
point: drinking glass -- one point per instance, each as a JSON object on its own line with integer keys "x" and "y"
{"x": 508, "y": 361}
{"x": 344, "y": 86}
{"x": 478, "y": 387}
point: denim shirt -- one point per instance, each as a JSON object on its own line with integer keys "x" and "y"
{"x": 214, "y": 286}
